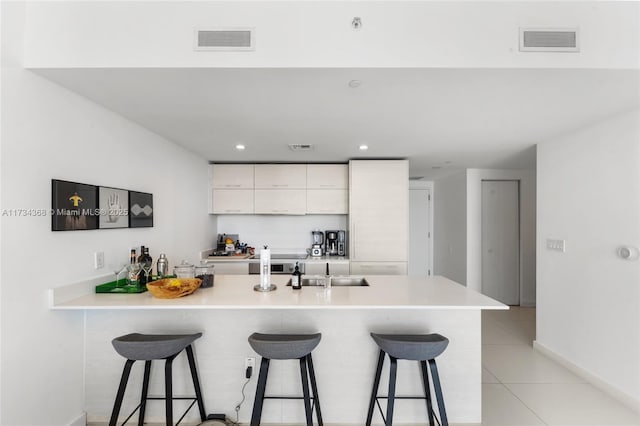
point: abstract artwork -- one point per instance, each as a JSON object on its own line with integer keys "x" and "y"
{"x": 140, "y": 209}
{"x": 74, "y": 206}
{"x": 114, "y": 208}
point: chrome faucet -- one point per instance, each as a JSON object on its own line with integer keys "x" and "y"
{"x": 327, "y": 277}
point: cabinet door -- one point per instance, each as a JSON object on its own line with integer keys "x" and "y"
{"x": 228, "y": 176}
{"x": 379, "y": 210}
{"x": 290, "y": 176}
{"x": 327, "y": 176}
{"x": 378, "y": 268}
{"x": 232, "y": 201}
{"x": 231, "y": 268}
{"x": 280, "y": 201}
{"x": 327, "y": 201}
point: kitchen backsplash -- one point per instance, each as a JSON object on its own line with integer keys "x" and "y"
{"x": 279, "y": 232}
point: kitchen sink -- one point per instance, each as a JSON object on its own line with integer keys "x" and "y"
{"x": 336, "y": 281}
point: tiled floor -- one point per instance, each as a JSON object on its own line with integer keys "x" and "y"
{"x": 523, "y": 387}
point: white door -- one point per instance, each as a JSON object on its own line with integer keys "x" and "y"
{"x": 419, "y": 232}
{"x": 501, "y": 241}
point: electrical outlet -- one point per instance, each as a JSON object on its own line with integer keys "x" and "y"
{"x": 250, "y": 362}
{"x": 557, "y": 245}
{"x": 98, "y": 259}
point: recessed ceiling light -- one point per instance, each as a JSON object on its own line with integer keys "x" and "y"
{"x": 354, "y": 83}
{"x": 363, "y": 147}
{"x": 240, "y": 147}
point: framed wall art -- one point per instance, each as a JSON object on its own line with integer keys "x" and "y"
{"x": 74, "y": 206}
{"x": 140, "y": 209}
{"x": 114, "y": 208}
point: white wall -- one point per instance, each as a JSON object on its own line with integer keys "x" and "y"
{"x": 588, "y": 298}
{"x": 281, "y": 233}
{"x": 450, "y": 227}
{"x": 48, "y": 132}
{"x": 319, "y": 33}
{"x": 527, "y": 179}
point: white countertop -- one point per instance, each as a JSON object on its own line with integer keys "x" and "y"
{"x": 236, "y": 292}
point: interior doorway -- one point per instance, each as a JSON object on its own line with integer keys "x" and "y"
{"x": 501, "y": 240}
{"x": 420, "y": 233}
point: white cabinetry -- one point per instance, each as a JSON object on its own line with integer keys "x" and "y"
{"x": 230, "y": 268}
{"x": 280, "y": 176}
{"x": 280, "y": 201}
{"x": 378, "y": 268}
{"x": 327, "y": 188}
{"x": 378, "y": 213}
{"x": 231, "y": 188}
{"x": 319, "y": 267}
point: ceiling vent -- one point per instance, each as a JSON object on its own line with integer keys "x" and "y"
{"x": 229, "y": 39}
{"x": 549, "y": 40}
{"x": 300, "y": 147}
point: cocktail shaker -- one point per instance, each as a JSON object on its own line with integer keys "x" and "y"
{"x": 162, "y": 265}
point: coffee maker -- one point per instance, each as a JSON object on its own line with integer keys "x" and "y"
{"x": 331, "y": 242}
{"x": 317, "y": 238}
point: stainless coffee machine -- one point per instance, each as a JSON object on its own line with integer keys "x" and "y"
{"x": 335, "y": 243}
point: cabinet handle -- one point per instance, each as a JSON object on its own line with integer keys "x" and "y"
{"x": 232, "y": 186}
{"x": 283, "y": 185}
{"x": 327, "y": 185}
{"x": 232, "y": 210}
{"x": 354, "y": 242}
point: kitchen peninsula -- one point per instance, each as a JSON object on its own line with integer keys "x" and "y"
{"x": 345, "y": 359}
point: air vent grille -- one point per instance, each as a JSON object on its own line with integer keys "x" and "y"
{"x": 300, "y": 147}
{"x": 549, "y": 40}
{"x": 236, "y": 39}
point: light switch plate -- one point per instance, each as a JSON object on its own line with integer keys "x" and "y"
{"x": 98, "y": 259}
{"x": 557, "y": 245}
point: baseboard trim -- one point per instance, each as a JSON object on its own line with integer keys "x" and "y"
{"x": 81, "y": 420}
{"x": 592, "y": 379}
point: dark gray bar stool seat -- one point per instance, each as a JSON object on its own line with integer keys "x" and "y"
{"x": 149, "y": 347}
{"x": 282, "y": 347}
{"x": 415, "y": 347}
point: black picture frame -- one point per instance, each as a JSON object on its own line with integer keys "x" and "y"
{"x": 114, "y": 207}
{"x": 140, "y": 210}
{"x": 74, "y": 206}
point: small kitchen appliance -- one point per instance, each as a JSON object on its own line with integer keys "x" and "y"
{"x": 331, "y": 243}
{"x": 342, "y": 243}
{"x": 317, "y": 242}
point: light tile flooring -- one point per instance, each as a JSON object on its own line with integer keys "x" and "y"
{"x": 523, "y": 387}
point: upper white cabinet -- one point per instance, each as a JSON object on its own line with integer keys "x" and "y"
{"x": 379, "y": 210}
{"x": 232, "y": 201}
{"x": 232, "y": 176}
{"x": 280, "y": 201}
{"x": 327, "y": 201}
{"x": 280, "y": 176}
{"x": 327, "y": 176}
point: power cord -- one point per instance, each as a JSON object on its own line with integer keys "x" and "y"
{"x": 237, "y": 409}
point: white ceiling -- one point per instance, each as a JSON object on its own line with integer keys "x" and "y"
{"x": 440, "y": 119}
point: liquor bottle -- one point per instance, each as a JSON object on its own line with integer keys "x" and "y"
{"x": 146, "y": 263}
{"x": 132, "y": 256}
{"x": 296, "y": 278}
{"x": 141, "y": 255}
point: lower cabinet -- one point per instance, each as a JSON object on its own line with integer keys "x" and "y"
{"x": 378, "y": 268}
{"x": 230, "y": 268}
{"x": 320, "y": 268}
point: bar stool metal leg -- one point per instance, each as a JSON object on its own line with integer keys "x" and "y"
{"x": 438, "y": 391}
{"x": 305, "y": 390}
{"x": 393, "y": 367}
{"x": 259, "y": 399}
{"x": 427, "y": 391}
{"x": 168, "y": 386}
{"x": 196, "y": 383}
{"x": 374, "y": 392}
{"x": 145, "y": 390}
{"x": 314, "y": 389}
{"x": 120, "y": 395}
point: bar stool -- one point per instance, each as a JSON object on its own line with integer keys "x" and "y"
{"x": 149, "y": 347}
{"x": 415, "y": 347}
{"x": 286, "y": 346}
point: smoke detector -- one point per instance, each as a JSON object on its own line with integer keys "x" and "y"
{"x": 300, "y": 147}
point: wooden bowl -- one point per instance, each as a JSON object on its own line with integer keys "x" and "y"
{"x": 171, "y": 288}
